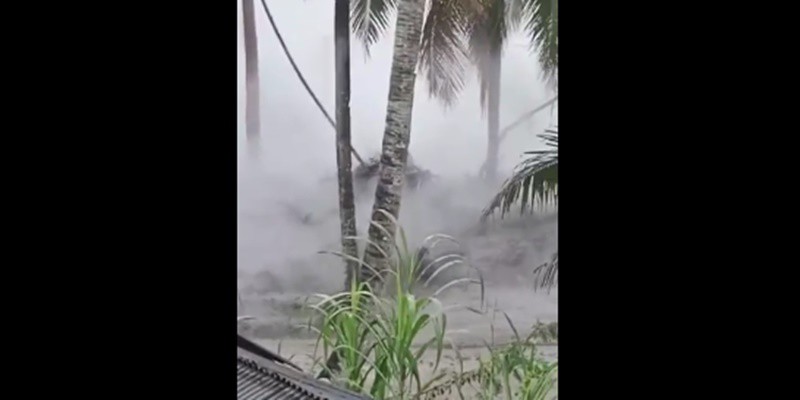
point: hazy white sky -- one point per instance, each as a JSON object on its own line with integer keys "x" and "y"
{"x": 296, "y": 135}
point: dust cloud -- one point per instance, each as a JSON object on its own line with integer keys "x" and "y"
{"x": 287, "y": 204}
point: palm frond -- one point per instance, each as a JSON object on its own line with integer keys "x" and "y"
{"x": 539, "y": 18}
{"x": 534, "y": 180}
{"x": 370, "y": 19}
{"x": 515, "y": 13}
{"x": 443, "y": 56}
{"x": 546, "y": 275}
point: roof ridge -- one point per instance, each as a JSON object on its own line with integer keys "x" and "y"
{"x": 298, "y": 381}
{"x": 245, "y": 344}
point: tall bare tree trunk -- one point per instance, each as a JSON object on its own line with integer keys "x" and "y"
{"x": 347, "y": 207}
{"x": 493, "y": 105}
{"x": 252, "y": 117}
{"x": 397, "y": 135}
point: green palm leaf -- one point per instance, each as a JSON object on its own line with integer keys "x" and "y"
{"x": 458, "y": 31}
{"x": 539, "y": 18}
{"x": 535, "y": 181}
{"x": 443, "y": 57}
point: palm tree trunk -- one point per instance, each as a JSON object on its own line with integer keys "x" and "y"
{"x": 397, "y": 135}
{"x": 347, "y": 208}
{"x": 493, "y": 144}
{"x": 252, "y": 118}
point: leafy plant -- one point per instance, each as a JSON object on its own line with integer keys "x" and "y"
{"x": 516, "y": 372}
{"x": 455, "y": 33}
{"x": 534, "y": 181}
{"x": 539, "y": 19}
{"x": 512, "y": 372}
{"x": 376, "y": 328}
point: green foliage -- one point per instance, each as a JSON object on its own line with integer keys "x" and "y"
{"x": 513, "y": 372}
{"x": 443, "y": 51}
{"x": 539, "y": 19}
{"x": 457, "y": 32}
{"x": 534, "y": 181}
{"x": 516, "y": 372}
{"x": 382, "y": 335}
{"x": 378, "y": 335}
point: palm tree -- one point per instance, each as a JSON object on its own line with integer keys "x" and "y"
{"x": 441, "y": 43}
{"x": 459, "y": 32}
{"x": 487, "y": 37}
{"x": 347, "y": 208}
{"x": 534, "y": 182}
{"x": 397, "y": 134}
{"x": 252, "y": 118}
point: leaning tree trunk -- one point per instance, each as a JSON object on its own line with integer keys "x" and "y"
{"x": 252, "y": 118}
{"x": 397, "y": 135}
{"x": 493, "y": 105}
{"x": 347, "y": 207}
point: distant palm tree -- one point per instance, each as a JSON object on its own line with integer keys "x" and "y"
{"x": 539, "y": 18}
{"x": 486, "y": 39}
{"x": 252, "y": 117}
{"x": 457, "y": 33}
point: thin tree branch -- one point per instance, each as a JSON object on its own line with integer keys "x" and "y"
{"x": 503, "y": 133}
{"x": 525, "y": 117}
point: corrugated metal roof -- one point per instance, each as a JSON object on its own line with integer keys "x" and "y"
{"x": 262, "y": 379}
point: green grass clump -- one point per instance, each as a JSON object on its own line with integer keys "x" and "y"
{"x": 382, "y": 332}
{"x": 513, "y": 371}
{"x": 516, "y": 372}
{"x": 381, "y": 337}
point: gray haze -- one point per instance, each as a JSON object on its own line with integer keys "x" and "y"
{"x": 296, "y": 134}
{"x": 296, "y": 176}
